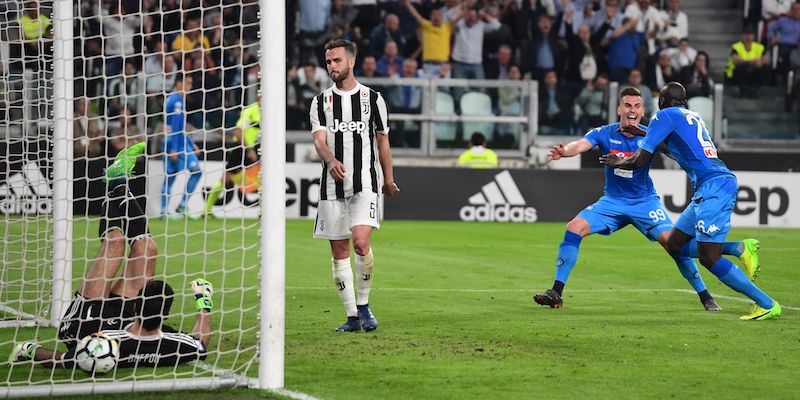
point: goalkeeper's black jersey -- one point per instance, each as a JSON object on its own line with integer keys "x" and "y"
{"x": 167, "y": 349}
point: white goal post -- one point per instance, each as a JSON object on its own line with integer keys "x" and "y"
{"x": 36, "y": 292}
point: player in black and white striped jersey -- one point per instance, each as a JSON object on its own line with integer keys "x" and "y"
{"x": 351, "y": 135}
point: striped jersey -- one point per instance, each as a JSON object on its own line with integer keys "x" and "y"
{"x": 351, "y": 119}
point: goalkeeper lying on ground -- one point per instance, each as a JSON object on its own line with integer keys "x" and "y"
{"x": 132, "y": 309}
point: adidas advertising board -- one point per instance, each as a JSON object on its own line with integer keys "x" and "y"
{"x": 26, "y": 191}
{"x": 498, "y": 201}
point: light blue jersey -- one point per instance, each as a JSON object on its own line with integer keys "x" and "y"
{"x": 687, "y": 138}
{"x": 620, "y": 183}
{"x": 177, "y": 140}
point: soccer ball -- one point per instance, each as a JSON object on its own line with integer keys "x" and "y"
{"x": 97, "y": 353}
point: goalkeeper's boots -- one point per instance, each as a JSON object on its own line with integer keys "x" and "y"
{"x": 352, "y": 325}
{"x": 125, "y": 161}
{"x": 550, "y": 298}
{"x": 758, "y": 313}
{"x": 368, "y": 321}
{"x": 23, "y": 351}
{"x": 202, "y": 290}
{"x": 749, "y": 258}
{"x": 711, "y": 305}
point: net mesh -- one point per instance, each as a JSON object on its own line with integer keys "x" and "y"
{"x": 128, "y": 58}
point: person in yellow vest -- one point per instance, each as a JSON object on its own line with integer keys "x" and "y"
{"x": 242, "y": 160}
{"x": 478, "y": 156}
{"x": 33, "y": 28}
{"x": 747, "y": 65}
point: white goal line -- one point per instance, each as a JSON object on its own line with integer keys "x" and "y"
{"x": 447, "y": 290}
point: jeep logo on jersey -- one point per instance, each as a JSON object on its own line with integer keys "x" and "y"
{"x": 347, "y": 127}
{"x": 26, "y": 192}
{"x": 498, "y": 201}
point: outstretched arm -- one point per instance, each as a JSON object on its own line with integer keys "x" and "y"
{"x": 570, "y": 149}
{"x": 413, "y": 11}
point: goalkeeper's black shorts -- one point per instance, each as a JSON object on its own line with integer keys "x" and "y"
{"x": 87, "y": 316}
{"x": 236, "y": 160}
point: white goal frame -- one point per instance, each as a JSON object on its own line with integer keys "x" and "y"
{"x": 273, "y": 200}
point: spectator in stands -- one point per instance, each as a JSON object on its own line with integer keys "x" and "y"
{"x": 593, "y": 103}
{"x": 747, "y": 64}
{"x": 444, "y": 72}
{"x": 675, "y": 25}
{"x": 497, "y": 67}
{"x": 785, "y": 33}
{"x": 794, "y": 65}
{"x": 610, "y": 16}
{"x": 468, "y": 44}
{"x": 34, "y": 27}
{"x": 315, "y": 16}
{"x": 390, "y": 64}
{"x": 623, "y": 49}
{"x": 636, "y": 79}
{"x": 436, "y": 38}
{"x": 342, "y": 15}
{"x": 406, "y": 100}
{"x": 500, "y": 37}
{"x": 583, "y": 48}
{"x": 555, "y": 106}
{"x": 697, "y": 80}
{"x": 509, "y": 102}
{"x": 119, "y": 29}
{"x": 369, "y": 67}
{"x": 579, "y": 12}
{"x": 123, "y": 91}
{"x": 388, "y": 31}
{"x": 295, "y": 106}
{"x": 772, "y": 9}
{"x": 312, "y": 81}
{"x": 543, "y": 53}
{"x": 683, "y": 56}
{"x": 662, "y": 72}
{"x": 160, "y": 71}
{"x": 191, "y": 38}
{"x": 125, "y": 134}
{"x": 648, "y": 21}
{"x": 477, "y": 156}
{"x": 88, "y": 131}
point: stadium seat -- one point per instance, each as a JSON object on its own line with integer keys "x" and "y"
{"x": 705, "y": 107}
{"x": 445, "y": 131}
{"x": 477, "y": 103}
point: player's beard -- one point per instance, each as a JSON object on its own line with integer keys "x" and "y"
{"x": 344, "y": 74}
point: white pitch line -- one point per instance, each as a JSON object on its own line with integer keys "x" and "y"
{"x": 406, "y": 289}
{"x": 245, "y": 381}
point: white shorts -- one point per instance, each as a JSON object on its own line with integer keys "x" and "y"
{"x": 336, "y": 217}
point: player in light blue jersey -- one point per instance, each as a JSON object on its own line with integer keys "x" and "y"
{"x": 629, "y": 198}
{"x": 180, "y": 152}
{"x": 706, "y": 221}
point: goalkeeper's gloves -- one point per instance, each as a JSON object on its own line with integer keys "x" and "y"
{"x": 202, "y": 290}
{"x": 23, "y": 351}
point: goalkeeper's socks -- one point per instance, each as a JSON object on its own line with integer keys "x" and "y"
{"x": 732, "y": 276}
{"x": 123, "y": 203}
{"x": 213, "y": 196}
{"x": 567, "y": 256}
{"x": 364, "y": 267}
{"x": 343, "y": 278}
{"x": 690, "y": 249}
{"x": 689, "y": 271}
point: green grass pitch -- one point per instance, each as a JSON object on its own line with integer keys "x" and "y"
{"x": 457, "y": 321}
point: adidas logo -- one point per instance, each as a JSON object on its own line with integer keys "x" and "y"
{"x": 26, "y": 192}
{"x": 498, "y": 201}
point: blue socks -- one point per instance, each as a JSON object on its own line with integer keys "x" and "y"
{"x": 567, "y": 256}
{"x": 732, "y": 276}
{"x": 166, "y": 191}
{"x": 194, "y": 178}
{"x": 728, "y": 248}
{"x": 689, "y": 271}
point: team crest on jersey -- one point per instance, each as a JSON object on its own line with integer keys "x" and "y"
{"x": 365, "y": 102}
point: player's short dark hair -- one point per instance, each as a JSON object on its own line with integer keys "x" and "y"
{"x": 477, "y": 139}
{"x": 156, "y": 300}
{"x": 671, "y": 95}
{"x": 349, "y": 47}
{"x": 179, "y": 77}
{"x": 629, "y": 91}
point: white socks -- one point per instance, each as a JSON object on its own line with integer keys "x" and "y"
{"x": 343, "y": 278}
{"x": 364, "y": 266}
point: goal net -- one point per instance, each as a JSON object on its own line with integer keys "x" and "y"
{"x": 79, "y": 82}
